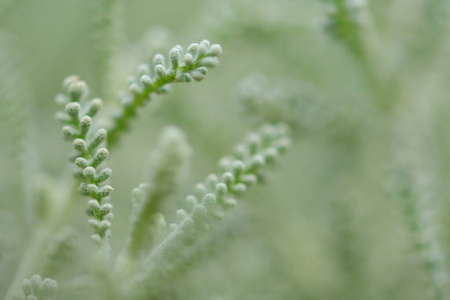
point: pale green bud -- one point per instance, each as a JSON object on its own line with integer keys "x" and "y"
{"x": 209, "y": 200}
{"x": 146, "y": 81}
{"x": 197, "y": 76}
{"x": 228, "y": 179}
{"x": 69, "y": 80}
{"x": 73, "y": 110}
{"x": 181, "y": 215}
{"x": 94, "y": 106}
{"x": 26, "y": 287}
{"x": 212, "y": 180}
{"x": 189, "y": 59}
{"x": 201, "y": 190}
{"x": 270, "y": 155}
{"x": 193, "y": 49}
{"x": 221, "y": 189}
{"x": 69, "y": 132}
{"x": 238, "y": 167}
{"x": 105, "y": 191}
{"x": 209, "y": 62}
{"x": 89, "y": 173}
{"x": 191, "y": 200}
{"x": 239, "y": 189}
{"x": 99, "y": 157}
{"x": 202, "y": 70}
{"x": 158, "y": 59}
{"x": 81, "y": 162}
{"x": 160, "y": 71}
{"x": 103, "y": 175}
{"x": 99, "y": 137}
{"x": 249, "y": 179}
{"x": 283, "y": 144}
{"x": 256, "y": 162}
{"x": 85, "y": 124}
{"x": 49, "y": 285}
{"x": 229, "y": 202}
{"x": 215, "y": 50}
{"x": 80, "y": 146}
{"x": 36, "y": 282}
{"x": 76, "y": 90}
{"x": 175, "y": 55}
{"x": 93, "y": 207}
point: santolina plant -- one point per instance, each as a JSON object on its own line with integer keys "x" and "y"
{"x": 144, "y": 255}
{"x": 358, "y": 210}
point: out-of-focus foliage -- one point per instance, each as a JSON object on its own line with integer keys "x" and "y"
{"x": 356, "y": 209}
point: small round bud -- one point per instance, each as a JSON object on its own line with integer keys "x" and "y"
{"x": 209, "y": 62}
{"x": 215, "y": 50}
{"x": 175, "y": 55}
{"x": 282, "y": 145}
{"x": 103, "y": 175}
{"x": 270, "y": 155}
{"x": 106, "y": 208}
{"x": 89, "y": 173}
{"x": 256, "y": 162}
{"x": 254, "y": 143}
{"x": 238, "y": 167}
{"x": 240, "y": 152}
{"x": 193, "y": 49}
{"x": 158, "y": 59}
{"x": 36, "y": 282}
{"x": 69, "y": 80}
{"x": 221, "y": 189}
{"x": 105, "y": 191}
{"x": 212, "y": 180}
{"x": 187, "y": 77}
{"x": 239, "y": 189}
{"x": 197, "y": 76}
{"x": 202, "y": 70}
{"x": 199, "y": 212}
{"x": 26, "y": 287}
{"x": 191, "y": 200}
{"x": 80, "y": 145}
{"x": 146, "y": 81}
{"x": 49, "y": 285}
{"x": 73, "y": 109}
{"x": 94, "y": 106}
{"x": 85, "y": 124}
{"x": 229, "y": 202}
{"x": 93, "y": 207}
{"x": 76, "y": 90}
{"x": 249, "y": 179}
{"x": 189, "y": 59}
{"x": 209, "y": 199}
{"x": 96, "y": 238}
{"x": 228, "y": 178}
{"x": 69, "y": 132}
{"x": 99, "y": 137}
{"x": 205, "y": 43}
{"x": 201, "y": 190}
{"x": 181, "y": 215}
{"x": 99, "y": 157}
{"x": 134, "y": 88}
{"x": 81, "y": 162}
{"x": 160, "y": 71}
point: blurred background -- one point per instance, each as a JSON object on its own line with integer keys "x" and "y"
{"x": 356, "y": 209}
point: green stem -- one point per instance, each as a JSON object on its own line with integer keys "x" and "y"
{"x": 121, "y": 123}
